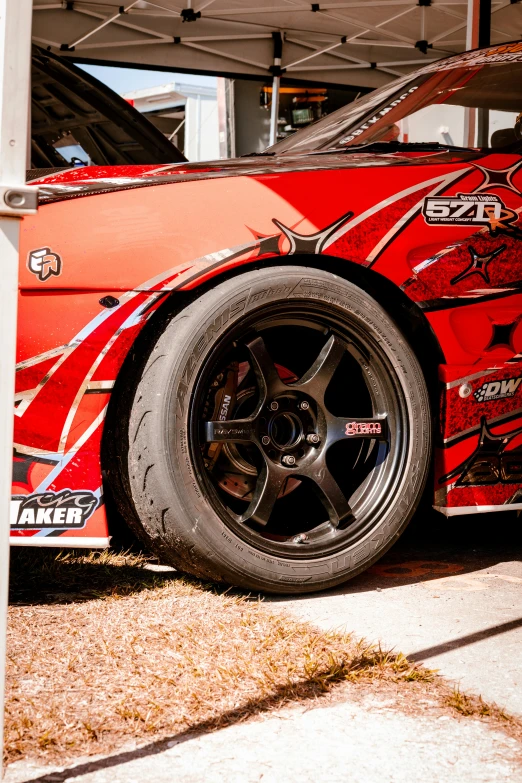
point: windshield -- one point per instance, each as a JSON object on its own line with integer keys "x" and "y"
{"x": 465, "y": 106}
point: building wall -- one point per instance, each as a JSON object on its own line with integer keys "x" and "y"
{"x": 252, "y": 122}
{"x": 201, "y": 128}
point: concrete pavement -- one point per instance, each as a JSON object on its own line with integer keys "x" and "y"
{"x": 448, "y": 594}
{"x": 360, "y": 743}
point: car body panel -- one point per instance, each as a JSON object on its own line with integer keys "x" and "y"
{"x": 107, "y": 248}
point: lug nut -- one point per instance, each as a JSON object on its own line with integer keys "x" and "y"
{"x": 265, "y": 440}
{"x": 274, "y": 406}
{"x": 304, "y": 405}
{"x": 313, "y": 438}
{"x": 288, "y": 460}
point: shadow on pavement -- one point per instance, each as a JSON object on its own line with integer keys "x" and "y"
{"x": 464, "y": 641}
{"x": 310, "y": 688}
{"x": 433, "y": 547}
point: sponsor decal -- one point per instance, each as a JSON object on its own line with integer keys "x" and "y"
{"x": 363, "y": 428}
{"x": 497, "y": 54}
{"x": 378, "y": 116}
{"x": 43, "y": 263}
{"x": 64, "y": 510}
{"x": 463, "y": 209}
{"x": 232, "y": 431}
{"x": 225, "y": 405}
{"x": 498, "y": 390}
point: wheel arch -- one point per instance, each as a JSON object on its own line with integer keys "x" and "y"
{"x": 407, "y": 315}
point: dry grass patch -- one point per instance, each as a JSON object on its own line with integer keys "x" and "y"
{"x": 469, "y": 705}
{"x": 101, "y": 650}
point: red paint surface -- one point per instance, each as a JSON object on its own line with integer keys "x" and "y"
{"x": 130, "y": 243}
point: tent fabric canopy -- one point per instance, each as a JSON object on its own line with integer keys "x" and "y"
{"x": 363, "y": 43}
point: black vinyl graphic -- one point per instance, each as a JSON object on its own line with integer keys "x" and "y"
{"x": 492, "y": 462}
{"x": 478, "y": 265}
{"x": 471, "y": 298}
{"x": 311, "y": 243}
{"x": 503, "y": 335}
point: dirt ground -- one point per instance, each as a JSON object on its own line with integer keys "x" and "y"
{"x": 103, "y": 651}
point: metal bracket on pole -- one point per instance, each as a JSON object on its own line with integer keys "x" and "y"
{"x": 18, "y": 201}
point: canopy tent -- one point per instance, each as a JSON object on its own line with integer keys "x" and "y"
{"x": 364, "y": 43}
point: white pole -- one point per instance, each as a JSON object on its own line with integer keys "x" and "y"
{"x": 274, "y": 113}
{"x": 472, "y": 28}
{"x": 15, "y": 201}
{"x": 276, "y": 70}
{"x": 198, "y": 128}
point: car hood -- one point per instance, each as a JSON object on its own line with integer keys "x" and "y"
{"x": 62, "y": 184}
{"x": 69, "y": 104}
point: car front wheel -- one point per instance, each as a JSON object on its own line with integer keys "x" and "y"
{"x": 279, "y": 436}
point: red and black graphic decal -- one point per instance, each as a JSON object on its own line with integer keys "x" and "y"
{"x": 492, "y": 462}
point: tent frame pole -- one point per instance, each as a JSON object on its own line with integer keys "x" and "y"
{"x": 16, "y": 200}
{"x": 478, "y": 33}
{"x": 276, "y": 82}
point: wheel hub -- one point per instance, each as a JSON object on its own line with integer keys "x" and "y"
{"x": 287, "y": 428}
{"x": 285, "y": 431}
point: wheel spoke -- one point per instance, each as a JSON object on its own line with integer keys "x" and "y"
{"x": 231, "y": 431}
{"x": 264, "y": 368}
{"x": 375, "y": 428}
{"x": 331, "y": 495}
{"x": 267, "y": 490}
{"x": 317, "y": 379}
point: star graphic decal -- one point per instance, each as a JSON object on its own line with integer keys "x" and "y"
{"x": 503, "y": 335}
{"x": 313, "y": 243}
{"x": 478, "y": 265}
{"x": 499, "y": 178}
{"x": 482, "y": 466}
{"x": 267, "y": 243}
{"x": 270, "y": 244}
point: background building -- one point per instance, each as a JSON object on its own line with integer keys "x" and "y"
{"x": 186, "y": 113}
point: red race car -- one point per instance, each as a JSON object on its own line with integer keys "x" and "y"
{"x": 262, "y": 360}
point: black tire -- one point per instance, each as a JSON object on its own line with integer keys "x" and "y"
{"x": 186, "y": 503}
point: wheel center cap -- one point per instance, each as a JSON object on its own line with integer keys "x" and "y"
{"x": 285, "y": 430}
